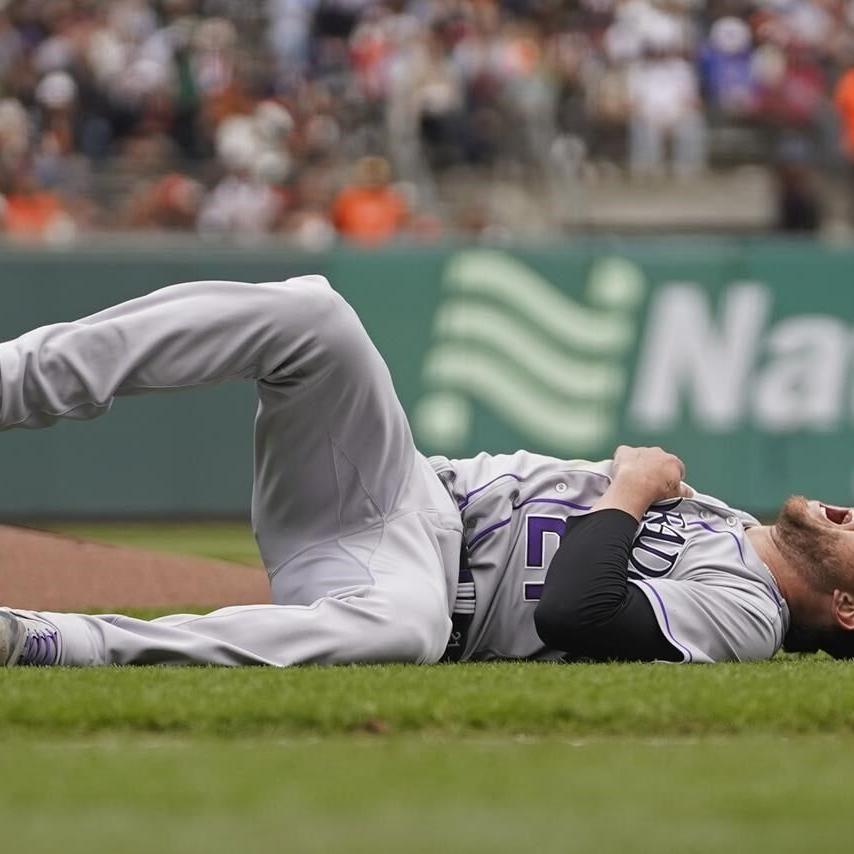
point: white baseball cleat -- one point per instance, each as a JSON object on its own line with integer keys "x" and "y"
{"x": 27, "y": 640}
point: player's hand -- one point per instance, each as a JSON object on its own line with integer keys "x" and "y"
{"x": 652, "y": 474}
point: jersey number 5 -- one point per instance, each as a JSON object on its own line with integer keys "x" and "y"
{"x": 537, "y": 529}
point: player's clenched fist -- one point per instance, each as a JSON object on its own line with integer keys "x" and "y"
{"x": 654, "y": 470}
{"x": 642, "y": 476}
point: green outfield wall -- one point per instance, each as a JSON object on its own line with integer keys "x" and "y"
{"x": 735, "y": 354}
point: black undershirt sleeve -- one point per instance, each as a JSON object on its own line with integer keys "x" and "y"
{"x": 588, "y": 608}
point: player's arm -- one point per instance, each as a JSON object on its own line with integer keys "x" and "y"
{"x": 588, "y": 608}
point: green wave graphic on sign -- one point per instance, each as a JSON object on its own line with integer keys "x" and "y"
{"x": 509, "y": 340}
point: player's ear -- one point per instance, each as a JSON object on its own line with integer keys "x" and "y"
{"x": 843, "y": 609}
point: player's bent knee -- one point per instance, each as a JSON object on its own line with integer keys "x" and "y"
{"x": 320, "y": 309}
{"x": 311, "y": 297}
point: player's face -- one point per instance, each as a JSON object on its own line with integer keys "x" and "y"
{"x": 820, "y": 537}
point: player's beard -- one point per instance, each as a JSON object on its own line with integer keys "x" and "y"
{"x": 813, "y": 549}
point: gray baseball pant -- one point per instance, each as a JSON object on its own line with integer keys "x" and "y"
{"x": 359, "y": 537}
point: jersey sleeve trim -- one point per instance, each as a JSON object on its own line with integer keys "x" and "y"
{"x": 660, "y": 611}
{"x": 716, "y": 619}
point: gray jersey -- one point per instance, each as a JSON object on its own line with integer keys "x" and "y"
{"x": 714, "y": 599}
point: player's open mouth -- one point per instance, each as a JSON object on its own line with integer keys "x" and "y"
{"x": 837, "y": 515}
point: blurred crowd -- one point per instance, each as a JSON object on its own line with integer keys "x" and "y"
{"x": 320, "y": 119}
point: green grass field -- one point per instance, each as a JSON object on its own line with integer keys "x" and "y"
{"x": 500, "y": 757}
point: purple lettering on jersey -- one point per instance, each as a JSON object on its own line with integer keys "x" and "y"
{"x": 537, "y": 528}
{"x": 533, "y": 591}
{"x": 658, "y": 544}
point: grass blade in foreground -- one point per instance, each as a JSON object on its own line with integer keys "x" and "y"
{"x": 791, "y": 695}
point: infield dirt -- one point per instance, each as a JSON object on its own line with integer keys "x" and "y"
{"x": 58, "y": 572}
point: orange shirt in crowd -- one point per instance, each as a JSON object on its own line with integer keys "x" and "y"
{"x": 844, "y": 98}
{"x": 29, "y": 214}
{"x": 369, "y": 214}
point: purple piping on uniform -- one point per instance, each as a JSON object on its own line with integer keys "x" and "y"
{"x": 716, "y": 531}
{"x": 666, "y": 620}
{"x": 465, "y": 500}
{"x": 771, "y": 594}
{"x": 478, "y": 537}
{"x": 552, "y": 501}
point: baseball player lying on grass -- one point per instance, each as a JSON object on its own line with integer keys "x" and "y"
{"x": 376, "y": 553}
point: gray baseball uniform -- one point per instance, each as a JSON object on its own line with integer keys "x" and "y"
{"x": 360, "y": 538}
{"x": 714, "y": 599}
